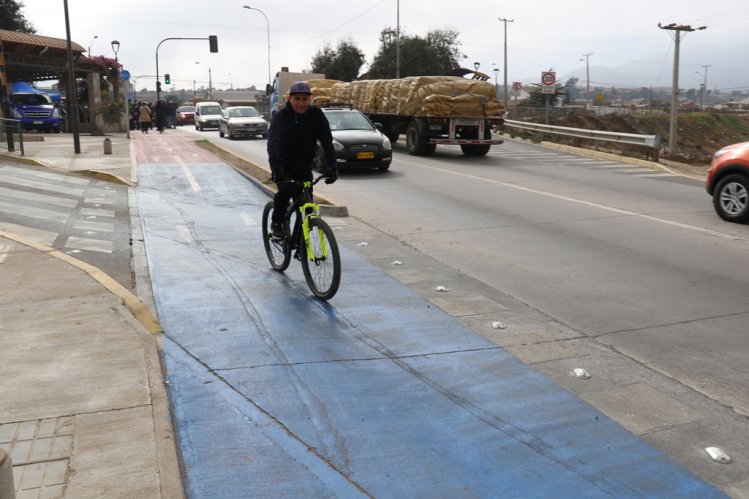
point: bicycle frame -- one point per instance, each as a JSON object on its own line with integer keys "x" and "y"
{"x": 307, "y": 209}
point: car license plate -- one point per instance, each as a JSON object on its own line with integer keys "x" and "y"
{"x": 38, "y": 122}
{"x": 365, "y": 155}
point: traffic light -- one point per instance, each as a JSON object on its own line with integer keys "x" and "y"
{"x": 167, "y": 80}
{"x": 158, "y": 86}
{"x": 213, "y": 43}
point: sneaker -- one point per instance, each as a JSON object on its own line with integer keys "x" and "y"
{"x": 277, "y": 231}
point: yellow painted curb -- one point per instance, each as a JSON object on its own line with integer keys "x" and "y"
{"x": 22, "y": 159}
{"x": 110, "y": 177}
{"x": 139, "y": 310}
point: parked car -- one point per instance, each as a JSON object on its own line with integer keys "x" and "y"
{"x": 185, "y": 115}
{"x": 239, "y": 121}
{"x": 36, "y": 111}
{"x": 207, "y": 114}
{"x": 357, "y": 141}
{"x": 728, "y": 182}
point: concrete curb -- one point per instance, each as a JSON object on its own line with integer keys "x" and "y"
{"x": 327, "y": 207}
{"x": 139, "y": 310}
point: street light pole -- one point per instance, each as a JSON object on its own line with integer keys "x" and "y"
{"x": 72, "y": 93}
{"x": 210, "y": 83}
{"x": 91, "y": 44}
{"x": 504, "y": 95}
{"x": 116, "y": 48}
{"x": 267, "y": 26}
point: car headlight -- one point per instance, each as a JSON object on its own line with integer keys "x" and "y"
{"x": 386, "y": 143}
{"x": 337, "y": 145}
{"x": 720, "y": 153}
{"x": 16, "y": 114}
{"x": 56, "y": 113}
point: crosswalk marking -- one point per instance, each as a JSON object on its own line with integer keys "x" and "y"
{"x": 44, "y": 205}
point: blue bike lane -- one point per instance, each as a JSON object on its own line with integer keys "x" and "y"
{"x": 375, "y": 393}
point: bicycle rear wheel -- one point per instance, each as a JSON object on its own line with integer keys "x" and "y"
{"x": 278, "y": 252}
{"x": 323, "y": 274}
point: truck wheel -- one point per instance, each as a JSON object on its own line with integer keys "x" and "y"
{"x": 475, "y": 149}
{"x": 416, "y": 144}
{"x": 392, "y": 137}
{"x": 430, "y": 148}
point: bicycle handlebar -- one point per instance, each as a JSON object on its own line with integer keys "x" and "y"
{"x": 301, "y": 182}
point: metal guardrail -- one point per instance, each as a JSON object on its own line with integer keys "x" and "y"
{"x": 650, "y": 141}
{"x": 10, "y": 132}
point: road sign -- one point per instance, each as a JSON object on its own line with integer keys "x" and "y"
{"x": 125, "y": 74}
{"x": 548, "y": 79}
{"x": 517, "y": 87}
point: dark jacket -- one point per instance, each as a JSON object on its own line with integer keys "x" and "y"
{"x": 292, "y": 141}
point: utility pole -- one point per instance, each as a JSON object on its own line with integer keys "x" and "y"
{"x": 704, "y": 87}
{"x": 587, "y": 78}
{"x": 504, "y": 91}
{"x": 673, "y": 128}
{"x": 398, "y": 39}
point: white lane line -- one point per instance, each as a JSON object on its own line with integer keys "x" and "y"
{"x": 190, "y": 178}
{"x": 619, "y": 211}
{"x": 185, "y": 233}
{"x": 4, "y": 250}
{"x": 248, "y": 220}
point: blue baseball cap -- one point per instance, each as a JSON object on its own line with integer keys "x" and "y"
{"x": 300, "y": 87}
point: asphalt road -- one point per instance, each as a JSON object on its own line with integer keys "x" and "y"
{"x": 634, "y": 277}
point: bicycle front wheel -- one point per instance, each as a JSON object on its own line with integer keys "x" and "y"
{"x": 322, "y": 269}
{"x": 278, "y": 252}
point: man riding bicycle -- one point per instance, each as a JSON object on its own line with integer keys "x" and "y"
{"x": 292, "y": 141}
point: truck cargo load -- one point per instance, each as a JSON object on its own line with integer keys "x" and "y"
{"x": 430, "y": 110}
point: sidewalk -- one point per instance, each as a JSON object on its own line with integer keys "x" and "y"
{"x": 83, "y": 409}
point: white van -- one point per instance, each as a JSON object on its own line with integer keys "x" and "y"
{"x": 207, "y": 114}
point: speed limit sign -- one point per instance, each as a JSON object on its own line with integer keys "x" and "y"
{"x": 548, "y": 78}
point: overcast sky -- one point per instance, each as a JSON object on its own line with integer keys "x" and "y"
{"x": 544, "y": 34}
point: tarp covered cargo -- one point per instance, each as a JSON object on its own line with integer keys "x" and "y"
{"x": 418, "y": 96}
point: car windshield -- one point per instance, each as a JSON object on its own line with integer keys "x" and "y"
{"x": 29, "y": 99}
{"x": 243, "y": 112}
{"x": 211, "y": 110}
{"x": 186, "y": 109}
{"x": 348, "y": 120}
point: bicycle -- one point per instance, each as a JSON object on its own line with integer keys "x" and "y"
{"x": 310, "y": 239}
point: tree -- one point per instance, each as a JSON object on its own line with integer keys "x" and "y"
{"x": 11, "y": 17}
{"x": 436, "y": 54}
{"x": 572, "y": 91}
{"x": 343, "y": 63}
{"x": 538, "y": 99}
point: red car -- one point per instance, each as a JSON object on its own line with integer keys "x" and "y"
{"x": 728, "y": 182}
{"x": 185, "y": 115}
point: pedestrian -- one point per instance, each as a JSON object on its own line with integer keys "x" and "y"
{"x": 160, "y": 112}
{"x": 292, "y": 142}
{"x": 144, "y": 118}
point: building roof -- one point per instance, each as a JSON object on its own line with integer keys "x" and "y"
{"x": 36, "y": 58}
{"x": 42, "y": 41}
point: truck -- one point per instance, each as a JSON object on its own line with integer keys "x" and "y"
{"x": 429, "y": 110}
{"x": 283, "y": 81}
